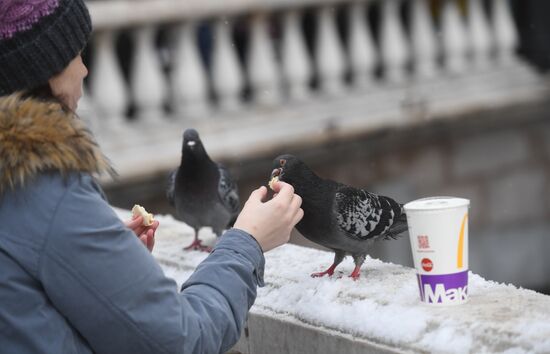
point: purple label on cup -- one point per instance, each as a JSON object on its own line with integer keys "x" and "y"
{"x": 443, "y": 288}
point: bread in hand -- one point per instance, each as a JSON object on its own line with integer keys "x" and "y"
{"x": 138, "y": 210}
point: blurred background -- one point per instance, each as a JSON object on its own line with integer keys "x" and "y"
{"x": 406, "y": 98}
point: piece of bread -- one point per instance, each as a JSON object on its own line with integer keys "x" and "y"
{"x": 138, "y": 210}
{"x": 272, "y": 181}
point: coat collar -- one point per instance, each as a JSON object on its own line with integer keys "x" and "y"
{"x": 38, "y": 136}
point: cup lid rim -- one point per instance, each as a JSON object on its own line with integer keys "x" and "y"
{"x": 436, "y": 203}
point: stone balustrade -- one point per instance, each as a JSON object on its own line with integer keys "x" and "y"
{"x": 256, "y": 75}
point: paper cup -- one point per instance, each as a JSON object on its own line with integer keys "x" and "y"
{"x": 438, "y": 230}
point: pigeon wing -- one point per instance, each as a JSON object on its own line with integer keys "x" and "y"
{"x": 362, "y": 215}
{"x": 170, "y": 189}
{"x": 228, "y": 191}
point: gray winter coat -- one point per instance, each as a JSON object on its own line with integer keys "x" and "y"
{"x": 74, "y": 279}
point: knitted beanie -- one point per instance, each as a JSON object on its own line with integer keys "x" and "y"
{"x": 38, "y": 39}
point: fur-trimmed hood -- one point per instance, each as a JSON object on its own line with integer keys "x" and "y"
{"x": 37, "y": 136}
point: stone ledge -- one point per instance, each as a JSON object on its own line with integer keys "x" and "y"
{"x": 263, "y": 334}
{"x": 380, "y": 313}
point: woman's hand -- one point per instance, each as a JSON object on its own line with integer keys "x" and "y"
{"x": 271, "y": 222}
{"x": 145, "y": 233}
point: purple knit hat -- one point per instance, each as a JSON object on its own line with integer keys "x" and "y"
{"x": 38, "y": 39}
{"x": 17, "y": 16}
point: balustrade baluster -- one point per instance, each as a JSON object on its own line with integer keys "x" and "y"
{"x": 107, "y": 86}
{"x": 189, "y": 82}
{"x": 504, "y": 31}
{"x": 296, "y": 64}
{"x": 454, "y": 38}
{"x": 262, "y": 64}
{"x": 424, "y": 44}
{"x": 227, "y": 77}
{"x": 362, "y": 52}
{"x": 478, "y": 27}
{"x": 393, "y": 45}
{"x": 329, "y": 52}
{"x": 147, "y": 82}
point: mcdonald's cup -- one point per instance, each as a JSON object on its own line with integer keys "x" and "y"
{"x": 438, "y": 230}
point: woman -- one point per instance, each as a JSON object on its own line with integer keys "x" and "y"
{"x": 73, "y": 277}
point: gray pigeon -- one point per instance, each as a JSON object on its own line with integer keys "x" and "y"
{"x": 202, "y": 191}
{"x": 342, "y": 218}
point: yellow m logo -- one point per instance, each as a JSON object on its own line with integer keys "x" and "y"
{"x": 460, "y": 256}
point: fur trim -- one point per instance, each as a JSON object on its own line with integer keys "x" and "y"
{"x": 38, "y": 136}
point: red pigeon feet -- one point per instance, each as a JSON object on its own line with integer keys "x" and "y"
{"x": 355, "y": 274}
{"x": 328, "y": 272}
{"x": 198, "y": 246}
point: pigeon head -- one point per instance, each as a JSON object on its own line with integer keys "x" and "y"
{"x": 191, "y": 141}
{"x": 192, "y": 150}
{"x": 290, "y": 169}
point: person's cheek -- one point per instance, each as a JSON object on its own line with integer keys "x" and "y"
{"x": 79, "y": 93}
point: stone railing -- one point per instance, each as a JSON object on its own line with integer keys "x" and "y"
{"x": 256, "y": 75}
{"x": 379, "y": 313}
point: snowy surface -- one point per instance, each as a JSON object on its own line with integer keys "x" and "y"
{"x": 383, "y": 306}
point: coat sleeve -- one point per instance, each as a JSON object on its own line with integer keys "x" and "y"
{"x": 112, "y": 291}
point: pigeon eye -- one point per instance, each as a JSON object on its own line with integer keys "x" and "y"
{"x": 282, "y": 162}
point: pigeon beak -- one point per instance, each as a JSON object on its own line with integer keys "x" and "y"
{"x": 191, "y": 144}
{"x": 278, "y": 172}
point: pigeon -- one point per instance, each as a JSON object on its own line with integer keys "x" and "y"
{"x": 344, "y": 219}
{"x": 202, "y": 191}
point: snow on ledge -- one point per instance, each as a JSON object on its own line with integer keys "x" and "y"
{"x": 383, "y": 306}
